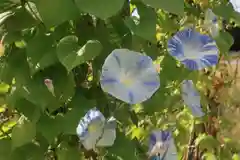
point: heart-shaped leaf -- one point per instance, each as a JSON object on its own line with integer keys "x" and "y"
{"x": 172, "y": 6}
{"x": 102, "y": 9}
{"x": 71, "y": 55}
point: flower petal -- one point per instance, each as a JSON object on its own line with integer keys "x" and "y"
{"x": 194, "y": 50}
{"x": 192, "y": 98}
{"x": 210, "y": 23}
{"x": 109, "y": 133}
{"x": 108, "y": 138}
{"x": 162, "y": 145}
{"x": 95, "y": 120}
{"x": 236, "y": 5}
{"x": 129, "y": 76}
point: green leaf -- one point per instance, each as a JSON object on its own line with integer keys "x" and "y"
{"x": 126, "y": 152}
{"x": 224, "y": 41}
{"x": 146, "y": 28}
{"x": 172, "y": 6}
{"x": 27, "y": 152}
{"x": 40, "y": 52}
{"x": 55, "y": 12}
{"x": 21, "y": 19}
{"x": 71, "y": 55}
{"x": 37, "y": 93}
{"x": 29, "y": 110}
{"x": 80, "y": 105}
{"x": 49, "y": 127}
{"x": 5, "y": 149}
{"x": 207, "y": 142}
{"x": 66, "y": 152}
{"x": 102, "y": 9}
{"x": 23, "y": 133}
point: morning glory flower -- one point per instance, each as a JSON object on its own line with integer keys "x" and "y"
{"x": 129, "y": 76}
{"x": 210, "y": 23}
{"x": 49, "y": 84}
{"x": 191, "y": 98}
{"x": 161, "y": 146}
{"x": 94, "y": 130}
{"x": 196, "y": 51}
{"x": 236, "y": 5}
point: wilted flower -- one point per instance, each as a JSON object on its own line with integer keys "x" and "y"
{"x": 236, "y": 5}
{"x": 161, "y": 146}
{"x": 192, "y": 98}
{"x": 129, "y": 76}
{"x": 210, "y": 23}
{"x": 94, "y": 130}
{"x": 49, "y": 84}
{"x": 196, "y": 51}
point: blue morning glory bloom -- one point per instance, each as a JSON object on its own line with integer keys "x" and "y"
{"x": 236, "y": 5}
{"x": 191, "y": 98}
{"x": 161, "y": 146}
{"x": 129, "y": 76}
{"x": 196, "y": 51}
{"x": 211, "y": 23}
{"x": 94, "y": 130}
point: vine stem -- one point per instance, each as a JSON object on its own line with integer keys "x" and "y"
{"x": 191, "y": 140}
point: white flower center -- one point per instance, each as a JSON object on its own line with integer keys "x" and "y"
{"x": 126, "y": 79}
{"x": 191, "y": 51}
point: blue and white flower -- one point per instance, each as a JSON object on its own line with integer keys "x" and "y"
{"x": 129, "y": 76}
{"x": 211, "y": 23}
{"x": 196, "y": 51}
{"x": 161, "y": 146}
{"x": 94, "y": 130}
{"x": 192, "y": 98}
{"x": 236, "y": 5}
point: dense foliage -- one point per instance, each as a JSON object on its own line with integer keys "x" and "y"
{"x": 64, "y": 43}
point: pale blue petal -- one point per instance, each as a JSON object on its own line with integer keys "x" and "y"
{"x": 92, "y": 138}
{"x": 171, "y": 153}
{"x": 109, "y": 134}
{"x": 108, "y": 138}
{"x": 191, "y": 98}
{"x": 161, "y": 143}
{"x": 92, "y": 116}
{"x": 236, "y": 5}
{"x": 137, "y": 69}
{"x": 102, "y": 135}
{"x": 210, "y": 23}
{"x": 194, "y": 50}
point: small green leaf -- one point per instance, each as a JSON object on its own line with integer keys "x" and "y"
{"x": 55, "y": 12}
{"x": 126, "y": 152}
{"x": 23, "y": 133}
{"x": 172, "y": 6}
{"x": 71, "y": 55}
{"x": 5, "y": 148}
{"x": 21, "y": 19}
{"x": 49, "y": 127}
{"x": 102, "y": 9}
{"x": 40, "y": 52}
{"x": 146, "y": 28}
{"x": 80, "y": 105}
{"x": 66, "y": 152}
{"x": 224, "y": 41}
{"x": 207, "y": 142}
